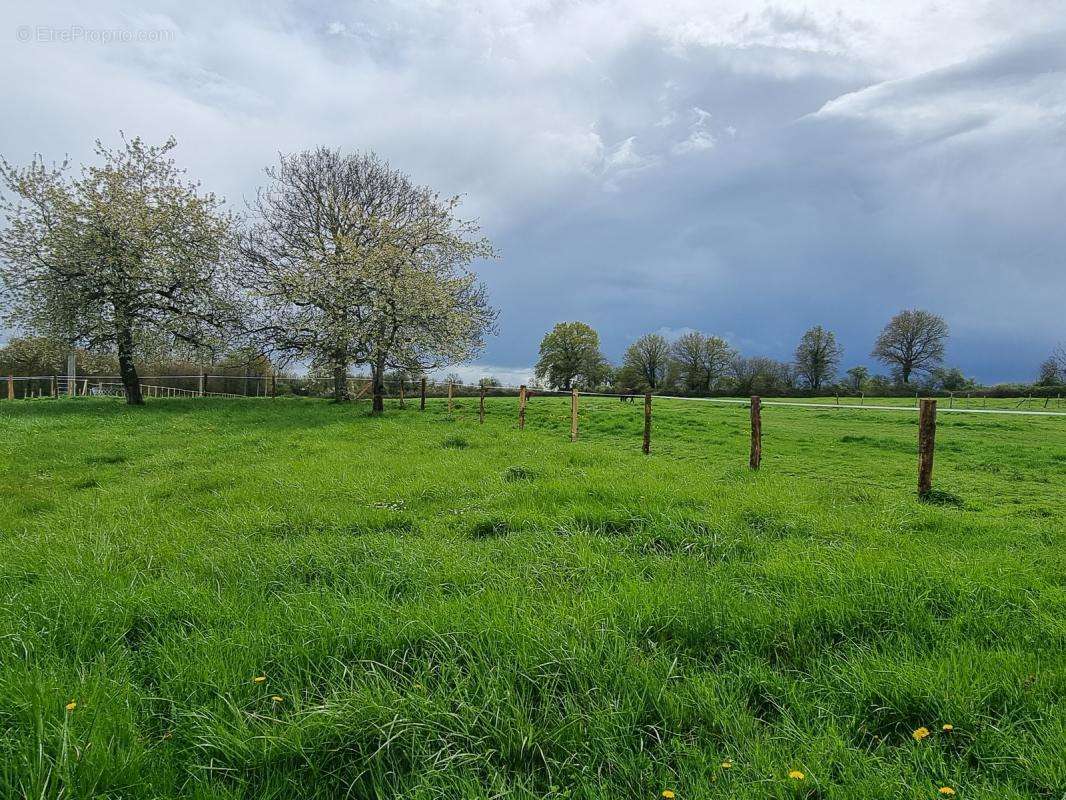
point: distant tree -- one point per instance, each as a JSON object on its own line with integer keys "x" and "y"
{"x": 688, "y": 356}
{"x": 912, "y": 341}
{"x": 249, "y": 363}
{"x": 950, "y": 379}
{"x": 1058, "y": 358}
{"x": 127, "y": 251}
{"x": 33, "y": 355}
{"x": 570, "y": 354}
{"x": 817, "y": 357}
{"x": 648, "y": 361}
{"x": 1049, "y": 373}
{"x": 761, "y": 375}
{"x": 41, "y": 355}
{"x": 489, "y": 382}
{"x": 857, "y": 378}
{"x": 744, "y": 372}
{"x": 881, "y": 384}
{"x": 717, "y": 355}
{"x": 700, "y": 361}
{"x": 453, "y": 378}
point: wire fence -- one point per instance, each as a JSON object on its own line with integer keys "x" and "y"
{"x": 360, "y": 386}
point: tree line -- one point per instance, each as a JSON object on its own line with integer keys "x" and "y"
{"x": 911, "y": 346}
{"x": 339, "y": 261}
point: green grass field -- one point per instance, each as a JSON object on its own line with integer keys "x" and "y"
{"x": 446, "y": 610}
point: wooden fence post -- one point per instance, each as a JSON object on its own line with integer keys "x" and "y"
{"x": 481, "y": 407}
{"x": 203, "y": 383}
{"x": 756, "y": 433}
{"x": 926, "y": 446}
{"x": 10, "y": 387}
{"x": 55, "y": 388}
{"x": 573, "y": 415}
{"x": 422, "y": 400}
{"x": 521, "y": 407}
{"x": 273, "y": 384}
{"x": 402, "y": 403}
{"x": 451, "y": 386}
{"x": 647, "y": 423}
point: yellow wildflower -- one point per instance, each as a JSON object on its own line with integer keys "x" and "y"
{"x": 796, "y": 775}
{"x": 727, "y": 764}
{"x": 948, "y": 728}
{"x": 920, "y": 733}
{"x": 259, "y": 679}
{"x": 947, "y": 791}
{"x": 277, "y": 698}
{"x": 71, "y": 705}
{"x": 668, "y": 794}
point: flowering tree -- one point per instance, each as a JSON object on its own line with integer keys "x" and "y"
{"x": 348, "y": 261}
{"x": 126, "y": 252}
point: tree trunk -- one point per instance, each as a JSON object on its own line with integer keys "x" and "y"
{"x": 378, "y": 377}
{"x": 340, "y": 383}
{"x": 126, "y": 368}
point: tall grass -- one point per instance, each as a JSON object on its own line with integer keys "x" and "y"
{"x": 442, "y": 609}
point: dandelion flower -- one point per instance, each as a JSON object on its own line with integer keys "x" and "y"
{"x": 948, "y": 728}
{"x": 796, "y": 775}
{"x": 727, "y": 764}
{"x": 920, "y": 734}
{"x": 668, "y": 794}
{"x": 946, "y": 791}
{"x": 71, "y": 705}
{"x": 277, "y": 698}
{"x": 259, "y": 679}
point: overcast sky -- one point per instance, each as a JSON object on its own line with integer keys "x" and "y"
{"x": 738, "y": 168}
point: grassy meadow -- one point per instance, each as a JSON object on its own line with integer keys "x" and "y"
{"x": 289, "y": 599}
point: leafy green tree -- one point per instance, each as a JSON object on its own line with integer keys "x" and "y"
{"x": 857, "y": 378}
{"x": 647, "y": 363}
{"x": 817, "y": 357}
{"x": 127, "y": 251}
{"x": 700, "y": 361}
{"x": 950, "y": 379}
{"x": 912, "y": 341}
{"x": 570, "y": 355}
